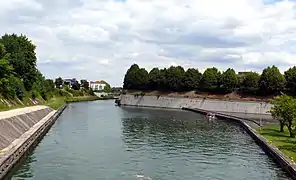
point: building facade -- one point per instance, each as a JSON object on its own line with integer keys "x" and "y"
{"x": 97, "y": 85}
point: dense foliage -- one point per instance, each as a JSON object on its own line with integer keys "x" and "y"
{"x": 19, "y": 73}
{"x": 175, "y": 78}
{"x": 19, "y": 76}
{"x": 284, "y": 110}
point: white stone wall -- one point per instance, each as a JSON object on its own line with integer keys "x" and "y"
{"x": 244, "y": 109}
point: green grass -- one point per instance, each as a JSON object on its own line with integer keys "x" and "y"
{"x": 56, "y": 99}
{"x": 82, "y": 98}
{"x": 56, "y": 102}
{"x": 282, "y": 140}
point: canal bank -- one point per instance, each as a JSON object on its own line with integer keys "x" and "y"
{"x": 243, "y": 109}
{"x": 21, "y": 129}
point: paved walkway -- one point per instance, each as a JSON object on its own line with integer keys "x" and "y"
{"x": 19, "y": 111}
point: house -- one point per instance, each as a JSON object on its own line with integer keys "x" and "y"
{"x": 97, "y": 85}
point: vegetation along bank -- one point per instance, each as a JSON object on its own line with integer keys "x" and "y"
{"x": 22, "y": 84}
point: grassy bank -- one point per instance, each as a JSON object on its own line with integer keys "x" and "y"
{"x": 282, "y": 140}
{"x": 58, "y": 102}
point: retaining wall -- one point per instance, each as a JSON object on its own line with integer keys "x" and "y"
{"x": 243, "y": 109}
{"x": 21, "y": 129}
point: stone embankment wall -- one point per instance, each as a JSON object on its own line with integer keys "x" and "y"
{"x": 242, "y": 109}
{"x": 20, "y": 129}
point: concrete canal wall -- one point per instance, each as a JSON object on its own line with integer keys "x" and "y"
{"x": 20, "y": 129}
{"x": 242, "y": 109}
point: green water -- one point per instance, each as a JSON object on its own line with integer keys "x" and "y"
{"x": 96, "y": 140}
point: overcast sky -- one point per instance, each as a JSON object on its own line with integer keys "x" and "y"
{"x": 100, "y": 39}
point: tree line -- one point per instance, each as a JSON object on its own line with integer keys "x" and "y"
{"x": 175, "y": 78}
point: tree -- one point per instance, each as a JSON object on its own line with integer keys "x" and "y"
{"x": 49, "y": 84}
{"x": 76, "y": 85}
{"x": 229, "y": 80}
{"x": 210, "y": 79}
{"x": 290, "y": 76}
{"x": 271, "y": 80}
{"x": 135, "y": 78}
{"x": 284, "y": 110}
{"x": 192, "y": 79}
{"x": 84, "y": 84}
{"x": 107, "y": 87}
{"x": 250, "y": 82}
{"x": 153, "y": 79}
{"x": 10, "y": 86}
{"x": 59, "y": 82}
{"x": 175, "y": 78}
{"x": 142, "y": 79}
{"x": 130, "y": 76}
{"x": 22, "y": 57}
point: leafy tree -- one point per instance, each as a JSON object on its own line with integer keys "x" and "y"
{"x": 290, "y": 76}
{"x": 76, "y": 85}
{"x": 84, "y": 84}
{"x": 228, "y": 80}
{"x": 157, "y": 79}
{"x": 210, "y": 79}
{"x": 22, "y": 57}
{"x": 175, "y": 78}
{"x": 130, "y": 77}
{"x": 142, "y": 79}
{"x": 192, "y": 79}
{"x": 153, "y": 79}
{"x": 107, "y": 88}
{"x": 271, "y": 80}
{"x": 10, "y": 86}
{"x": 136, "y": 78}
{"x": 163, "y": 84}
{"x": 250, "y": 82}
{"x": 49, "y": 85}
{"x": 284, "y": 110}
{"x": 59, "y": 82}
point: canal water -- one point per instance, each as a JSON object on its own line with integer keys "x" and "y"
{"x": 97, "y": 140}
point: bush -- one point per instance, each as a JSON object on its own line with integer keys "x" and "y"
{"x": 91, "y": 92}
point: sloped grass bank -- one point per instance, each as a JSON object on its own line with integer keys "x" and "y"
{"x": 58, "y": 102}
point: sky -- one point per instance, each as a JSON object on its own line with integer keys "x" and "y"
{"x": 101, "y": 39}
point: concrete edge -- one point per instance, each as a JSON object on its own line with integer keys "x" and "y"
{"x": 230, "y": 100}
{"x": 283, "y": 161}
{"x": 27, "y": 142}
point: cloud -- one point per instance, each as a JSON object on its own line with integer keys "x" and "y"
{"x": 100, "y": 39}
